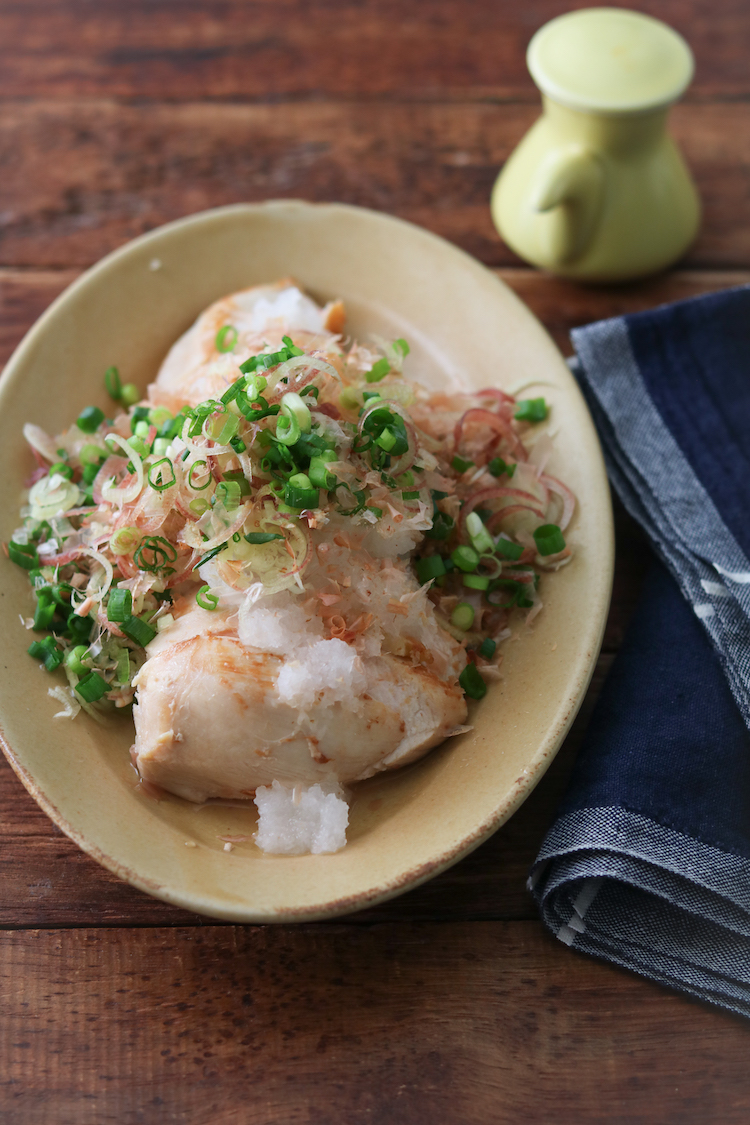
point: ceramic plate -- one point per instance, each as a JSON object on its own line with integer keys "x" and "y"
{"x": 463, "y": 324}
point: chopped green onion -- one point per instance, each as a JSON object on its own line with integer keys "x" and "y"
{"x": 411, "y": 495}
{"x": 259, "y": 537}
{"x": 442, "y": 525}
{"x": 139, "y": 446}
{"x": 349, "y": 398}
{"x": 508, "y": 550}
{"x": 205, "y": 599}
{"x": 91, "y": 468}
{"x": 549, "y": 539}
{"x": 228, "y": 493}
{"x": 92, "y": 454}
{"x": 465, "y": 558}
{"x": 138, "y": 630}
{"x": 515, "y": 589}
{"x": 158, "y": 479}
{"x": 159, "y": 416}
{"x": 23, "y": 554}
{"x": 472, "y": 682}
{"x": 199, "y": 505}
{"x": 360, "y": 496}
{"x": 310, "y": 389}
{"x": 62, "y": 470}
{"x": 497, "y": 467}
{"x": 299, "y": 493}
{"x": 386, "y": 439}
{"x": 319, "y": 475}
{"x": 210, "y": 555}
{"x": 236, "y": 476}
{"x": 125, "y": 540}
{"x": 432, "y": 566}
{"x": 378, "y": 371}
{"x": 191, "y": 481}
{"x": 140, "y": 414}
{"x": 129, "y": 395}
{"x": 92, "y": 687}
{"x": 73, "y": 659}
{"x": 531, "y": 410}
{"x": 463, "y": 616}
{"x": 112, "y": 383}
{"x": 226, "y": 338}
{"x": 234, "y": 390}
{"x": 122, "y": 671}
{"x": 460, "y": 465}
{"x": 481, "y": 540}
{"x": 48, "y": 652}
{"x": 287, "y": 429}
{"x": 293, "y": 406}
{"x": 160, "y": 446}
{"x": 368, "y": 396}
{"x": 90, "y": 419}
{"x": 79, "y": 628}
{"x": 266, "y": 360}
{"x": 487, "y": 648}
{"x": 237, "y": 445}
{"x": 291, "y": 346}
{"x": 120, "y": 605}
{"x": 160, "y": 551}
{"x": 223, "y": 428}
{"x": 45, "y": 609}
{"x": 254, "y": 387}
{"x": 376, "y": 511}
{"x": 402, "y": 346}
{"x": 476, "y": 581}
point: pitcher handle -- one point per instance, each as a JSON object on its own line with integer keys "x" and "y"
{"x": 569, "y": 187}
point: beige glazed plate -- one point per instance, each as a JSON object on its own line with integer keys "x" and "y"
{"x": 463, "y": 325}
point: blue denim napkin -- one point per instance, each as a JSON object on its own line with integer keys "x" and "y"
{"x": 648, "y": 862}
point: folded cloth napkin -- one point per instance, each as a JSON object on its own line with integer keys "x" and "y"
{"x": 648, "y": 862}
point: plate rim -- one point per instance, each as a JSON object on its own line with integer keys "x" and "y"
{"x": 546, "y": 752}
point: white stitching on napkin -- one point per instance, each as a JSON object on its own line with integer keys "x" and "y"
{"x": 575, "y": 924}
{"x": 704, "y": 611}
{"x": 741, "y": 576}
{"x": 716, "y": 589}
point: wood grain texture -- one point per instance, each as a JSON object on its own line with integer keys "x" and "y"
{"x": 390, "y": 1025}
{"x": 261, "y": 50}
{"x": 78, "y": 178}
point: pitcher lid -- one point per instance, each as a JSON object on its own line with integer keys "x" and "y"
{"x": 609, "y": 60}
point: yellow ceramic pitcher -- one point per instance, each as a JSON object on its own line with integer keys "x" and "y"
{"x": 597, "y": 189}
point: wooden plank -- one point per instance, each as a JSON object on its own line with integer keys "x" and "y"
{"x": 250, "y": 49}
{"x": 81, "y": 177}
{"x": 461, "y": 1024}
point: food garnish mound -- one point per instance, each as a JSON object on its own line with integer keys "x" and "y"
{"x": 296, "y": 563}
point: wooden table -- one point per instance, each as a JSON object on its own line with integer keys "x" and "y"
{"x": 450, "y": 1005}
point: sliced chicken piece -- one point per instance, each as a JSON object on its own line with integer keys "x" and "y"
{"x": 194, "y": 369}
{"x": 210, "y": 721}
